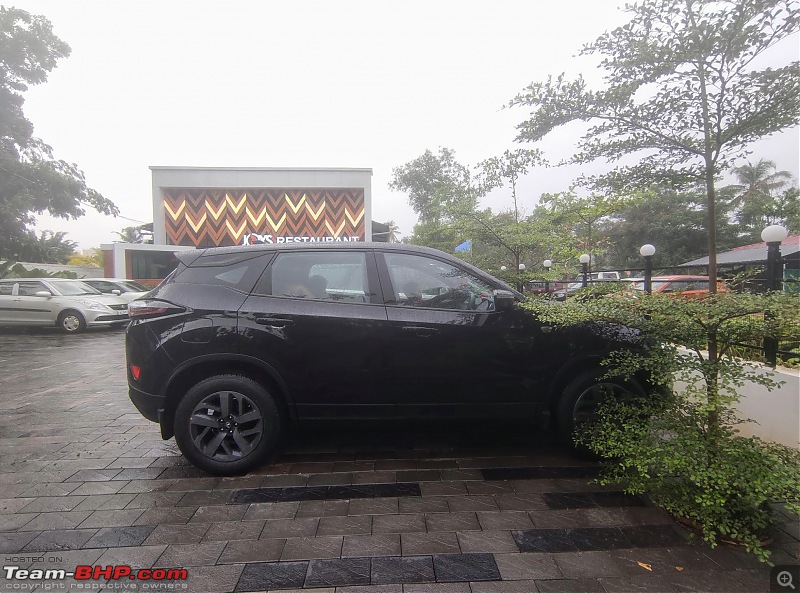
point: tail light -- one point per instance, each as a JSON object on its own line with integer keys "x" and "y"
{"x": 149, "y": 308}
{"x": 136, "y": 371}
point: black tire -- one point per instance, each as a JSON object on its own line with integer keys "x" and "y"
{"x": 71, "y": 322}
{"x": 229, "y": 443}
{"x": 581, "y": 399}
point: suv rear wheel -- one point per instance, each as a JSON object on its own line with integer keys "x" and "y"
{"x": 227, "y": 424}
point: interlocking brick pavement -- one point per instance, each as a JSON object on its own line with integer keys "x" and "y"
{"x": 84, "y": 479}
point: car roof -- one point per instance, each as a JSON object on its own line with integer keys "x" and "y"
{"x": 45, "y": 279}
{"x": 188, "y": 257}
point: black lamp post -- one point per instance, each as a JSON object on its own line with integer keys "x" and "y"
{"x": 647, "y": 251}
{"x": 547, "y": 265}
{"x": 773, "y": 236}
{"x": 585, "y": 259}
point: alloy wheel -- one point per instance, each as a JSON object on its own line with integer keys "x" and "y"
{"x": 226, "y": 426}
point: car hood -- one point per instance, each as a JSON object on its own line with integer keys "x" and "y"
{"x": 106, "y": 299}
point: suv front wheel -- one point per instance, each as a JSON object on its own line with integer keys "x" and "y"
{"x": 227, "y": 424}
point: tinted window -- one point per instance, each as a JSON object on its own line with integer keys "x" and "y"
{"x": 152, "y": 264}
{"x": 6, "y": 288}
{"x": 424, "y": 282}
{"x": 331, "y": 276}
{"x": 239, "y": 273}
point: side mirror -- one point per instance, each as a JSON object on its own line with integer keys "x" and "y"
{"x": 503, "y": 299}
{"x": 116, "y": 292}
{"x": 45, "y": 294}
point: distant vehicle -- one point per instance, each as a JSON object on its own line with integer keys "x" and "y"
{"x": 684, "y": 286}
{"x": 128, "y": 290}
{"x": 70, "y": 305}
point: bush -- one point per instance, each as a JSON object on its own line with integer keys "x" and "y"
{"x": 684, "y": 448}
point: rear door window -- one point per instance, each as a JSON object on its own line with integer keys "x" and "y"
{"x": 327, "y": 276}
{"x": 236, "y": 271}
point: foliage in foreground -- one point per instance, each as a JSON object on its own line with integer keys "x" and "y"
{"x": 684, "y": 448}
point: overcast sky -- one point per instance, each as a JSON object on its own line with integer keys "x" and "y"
{"x": 308, "y": 84}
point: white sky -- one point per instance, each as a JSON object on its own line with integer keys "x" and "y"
{"x": 308, "y": 84}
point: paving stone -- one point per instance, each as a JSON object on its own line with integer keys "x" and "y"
{"x": 338, "y": 572}
{"x": 177, "y": 534}
{"x": 11, "y": 543}
{"x": 489, "y": 542}
{"x": 443, "y": 489}
{"x": 115, "y": 537}
{"x": 14, "y": 522}
{"x": 570, "y": 586}
{"x": 465, "y": 567}
{"x": 654, "y": 536}
{"x": 452, "y": 522}
{"x": 214, "y": 579}
{"x": 65, "y": 520}
{"x": 373, "y": 506}
{"x": 120, "y": 518}
{"x": 371, "y": 545}
{"x": 437, "y": 588}
{"x": 137, "y": 486}
{"x": 146, "y": 500}
{"x": 308, "y": 548}
{"x": 471, "y": 503}
{"x": 515, "y": 567}
{"x": 263, "y": 576}
{"x": 264, "y": 550}
{"x": 323, "y": 508}
{"x": 48, "y": 541}
{"x": 599, "y": 538}
{"x": 166, "y": 516}
{"x": 544, "y": 540}
{"x": 414, "y": 544}
{"x": 357, "y": 525}
{"x": 398, "y": 524}
{"x": 199, "y": 498}
{"x": 271, "y": 510}
{"x": 234, "y": 530}
{"x": 423, "y": 504}
{"x": 105, "y": 502}
{"x": 393, "y": 569}
{"x": 138, "y": 557}
{"x": 504, "y": 520}
{"x": 99, "y": 488}
{"x": 202, "y": 554}
{"x": 283, "y": 528}
{"x": 93, "y": 475}
{"x": 526, "y": 586}
{"x": 10, "y": 506}
{"x": 48, "y": 504}
{"x": 577, "y": 565}
{"x": 218, "y": 513}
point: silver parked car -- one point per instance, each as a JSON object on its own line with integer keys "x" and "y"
{"x": 70, "y": 305}
{"x": 128, "y": 290}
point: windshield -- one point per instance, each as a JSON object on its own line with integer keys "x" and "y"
{"x": 74, "y": 288}
{"x": 131, "y": 286}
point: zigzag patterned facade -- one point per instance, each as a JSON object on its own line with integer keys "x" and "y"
{"x": 221, "y": 217}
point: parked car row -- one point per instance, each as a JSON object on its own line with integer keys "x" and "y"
{"x": 70, "y": 305}
{"x": 685, "y": 286}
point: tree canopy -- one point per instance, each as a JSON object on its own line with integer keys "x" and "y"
{"x": 682, "y": 94}
{"x": 32, "y": 180}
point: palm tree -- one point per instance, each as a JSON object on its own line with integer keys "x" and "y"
{"x": 755, "y": 196}
{"x": 130, "y": 234}
{"x": 394, "y": 232}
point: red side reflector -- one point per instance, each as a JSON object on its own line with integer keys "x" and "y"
{"x": 136, "y": 371}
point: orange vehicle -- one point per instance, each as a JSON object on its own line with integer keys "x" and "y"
{"x": 684, "y": 286}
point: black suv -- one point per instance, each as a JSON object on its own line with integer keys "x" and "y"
{"x": 239, "y": 342}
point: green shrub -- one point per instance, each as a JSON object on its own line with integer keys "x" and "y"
{"x": 684, "y": 448}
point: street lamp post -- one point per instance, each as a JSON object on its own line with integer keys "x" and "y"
{"x": 773, "y": 236}
{"x": 547, "y": 265}
{"x": 647, "y": 251}
{"x": 520, "y": 283}
{"x": 585, "y": 259}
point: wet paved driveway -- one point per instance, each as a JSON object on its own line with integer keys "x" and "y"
{"x": 85, "y": 480}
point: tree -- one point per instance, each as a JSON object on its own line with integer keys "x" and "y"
{"x": 32, "y": 181}
{"x": 672, "y": 221}
{"x": 394, "y": 232}
{"x": 681, "y": 94}
{"x": 46, "y": 248}
{"x": 90, "y": 258}
{"x": 130, "y": 234}
{"x": 756, "y": 199}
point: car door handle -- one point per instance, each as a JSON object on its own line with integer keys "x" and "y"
{"x": 273, "y": 321}
{"x": 421, "y": 331}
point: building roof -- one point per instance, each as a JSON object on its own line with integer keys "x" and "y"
{"x": 746, "y": 254}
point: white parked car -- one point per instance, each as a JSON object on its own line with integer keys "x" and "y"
{"x": 128, "y": 290}
{"x": 70, "y": 305}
